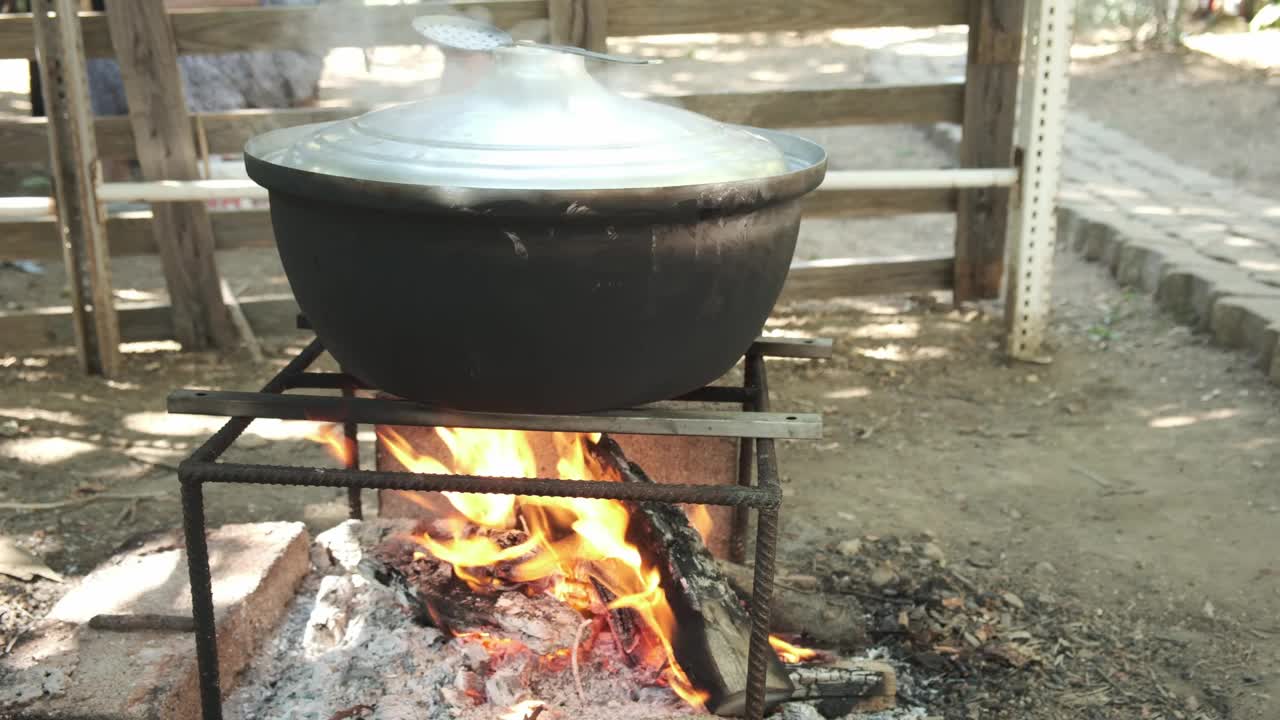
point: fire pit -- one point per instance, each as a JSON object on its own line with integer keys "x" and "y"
{"x": 720, "y": 658}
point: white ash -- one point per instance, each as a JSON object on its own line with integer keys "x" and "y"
{"x": 798, "y": 711}
{"x": 346, "y": 642}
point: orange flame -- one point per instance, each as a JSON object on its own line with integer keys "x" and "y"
{"x": 789, "y": 653}
{"x": 700, "y": 519}
{"x": 335, "y": 441}
{"x": 569, "y": 543}
{"x": 493, "y": 645}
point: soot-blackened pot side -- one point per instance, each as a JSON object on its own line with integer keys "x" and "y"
{"x": 536, "y": 315}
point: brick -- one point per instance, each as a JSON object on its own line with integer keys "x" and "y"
{"x": 68, "y": 670}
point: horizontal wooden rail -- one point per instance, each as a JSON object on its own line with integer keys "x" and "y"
{"x": 848, "y": 277}
{"x": 670, "y": 17}
{"x": 195, "y": 190}
{"x": 141, "y": 322}
{"x": 276, "y": 314}
{"x": 26, "y": 139}
{"x": 275, "y": 28}
{"x": 342, "y": 25}
{"x": 130, "y": 234}
{"x": 180, "y": 190}
{"x": 878, "y": 203}
{"x": 865, "y": 105}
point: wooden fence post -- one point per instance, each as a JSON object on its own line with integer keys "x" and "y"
{"x": 581, "y": 23}
{"x": 73, "y": 160}
{"x": 148, "y": 57}
{"x": 990, "y": 109}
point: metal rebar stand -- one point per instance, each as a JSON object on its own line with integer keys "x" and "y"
{"x": 754, "y": 425}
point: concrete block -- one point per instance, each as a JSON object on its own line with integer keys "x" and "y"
{"x": 1181, "y": 289}
{"x": 1092, "y": 239}
{"x": 1143, "y": 261}
{"x": 1252, "y": 323}
{"x": 1212, "y": 281}
{"x": 68, "y": 670}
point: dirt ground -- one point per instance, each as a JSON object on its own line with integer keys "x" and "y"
{"x": 1125, "y": 494}
{"x": 1127, "y": 491}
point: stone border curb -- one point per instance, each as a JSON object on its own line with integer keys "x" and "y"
{"x": 1214, "y": 297}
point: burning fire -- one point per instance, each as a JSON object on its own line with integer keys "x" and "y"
{"x": 700, "y": 518}
{"x": 789, "y": 653}
{"x": 332, "y": 437}
{"x": 571, "y": 547}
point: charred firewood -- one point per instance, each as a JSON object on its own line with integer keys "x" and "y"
{"x": 845, "y": 687}
{"x": 623, "y": 624}
{"x": 714, "y": 631}
{"x": 434, "y": 595}
{"x": 838, "y": 619}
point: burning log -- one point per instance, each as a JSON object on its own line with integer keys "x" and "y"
{"x": 714, "y": 631}
{"x": 433, "y": 593}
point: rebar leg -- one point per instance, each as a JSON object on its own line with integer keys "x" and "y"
{"x": 355, "y": 505}
{"x": 761, "y": 605}
{"x": 746, "y": 461}
{"x": 742, "y": 513}
{"x": 193, "y": 524}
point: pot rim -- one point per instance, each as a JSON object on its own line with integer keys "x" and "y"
{"x": 806, "y": 160}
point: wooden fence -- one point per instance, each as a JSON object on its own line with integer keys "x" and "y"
{"x": 984, "y": 105}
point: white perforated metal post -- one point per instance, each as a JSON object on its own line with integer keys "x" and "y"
{"x": 1041, "y": 122}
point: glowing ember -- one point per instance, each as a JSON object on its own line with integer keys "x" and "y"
{"x": 527, "y": 710}
{"x": 567, "y": 546}
{"x": 493, "y": 645}
{"x": 789, "y": 653}
{"x": 331, "y": 436}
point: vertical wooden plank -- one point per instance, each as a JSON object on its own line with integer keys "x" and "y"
{"x": 990, "y": 109}
{"x": 148, "y": 57}
{"x": 73, "y": 159}
{"x": 582, "y": 23}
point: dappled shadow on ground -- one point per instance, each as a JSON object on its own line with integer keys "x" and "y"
{"x": 1137, "y": 468}
{"x": 1136, "y": 472}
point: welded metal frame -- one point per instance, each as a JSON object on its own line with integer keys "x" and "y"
{"x": 765, "y": 494}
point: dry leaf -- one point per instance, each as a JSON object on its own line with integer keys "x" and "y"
{"x": 18, "y": 563}
{"x": 954, "y": 602}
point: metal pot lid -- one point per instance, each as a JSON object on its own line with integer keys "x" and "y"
{"x": 535, "y": 120}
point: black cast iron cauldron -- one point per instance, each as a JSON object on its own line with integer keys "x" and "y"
{"x": 537, "y": 301}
